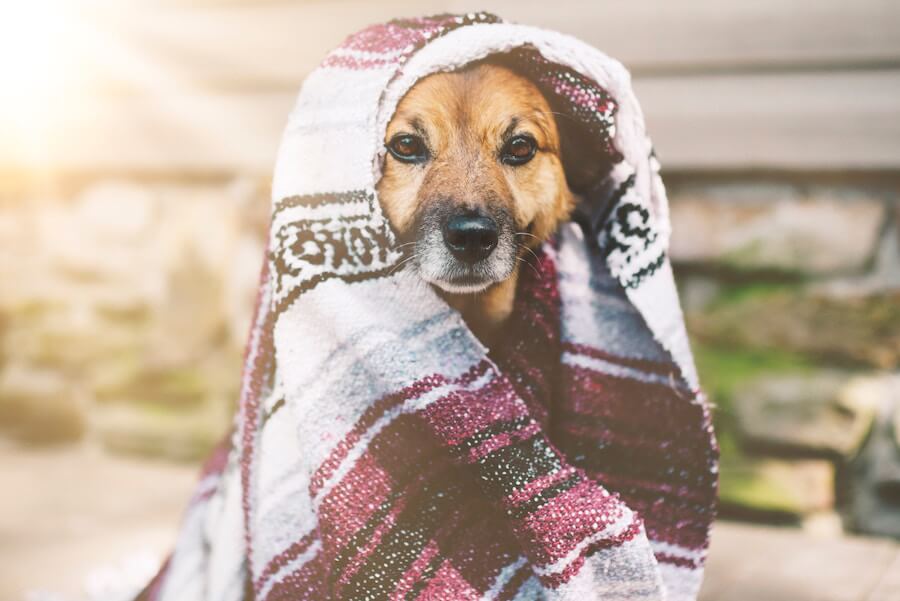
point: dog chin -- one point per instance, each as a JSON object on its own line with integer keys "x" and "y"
{"x": 462, "y": 288}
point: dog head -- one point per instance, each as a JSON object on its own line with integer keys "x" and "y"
{"x": 473, "y": 176}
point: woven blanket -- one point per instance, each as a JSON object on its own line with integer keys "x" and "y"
{"x": 381, "y": 452}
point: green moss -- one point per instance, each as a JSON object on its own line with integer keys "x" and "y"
{"x": 738, "y": 293}
{"x": 149, "y": 430}
{"x": 722, "y": 370}
{"x": 171, "y": 388}
{"x": 746, "y": 482}
{"x": 746, "y": 485}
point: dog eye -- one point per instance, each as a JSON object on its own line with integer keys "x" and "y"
{"x": 518, "y": 150}
{"x": 407, "y": 148}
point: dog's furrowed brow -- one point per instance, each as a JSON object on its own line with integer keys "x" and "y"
{"x": 511, "y": 128}
{"x": 536, "y": 119}
{"x": 414, "y": 122}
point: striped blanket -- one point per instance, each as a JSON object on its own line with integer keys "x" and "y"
{"x": 380, "y": 451}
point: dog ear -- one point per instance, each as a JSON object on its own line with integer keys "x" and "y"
{"x": 585, "y": 157}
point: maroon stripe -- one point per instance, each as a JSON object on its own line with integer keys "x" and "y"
{"x": 307, "y": 583}
{"x": 404, "y": 492}
{"x": 371, "y": 415}
{"x": 414, "y": 575}
{"x": 255, "y": 378}
{"x": 681, "y": 562}
{"x": 587, "y": 509}
{"x": 481, "y": 534}
{"x": 645, "y": 444}
{"x": 463, "y": 413}
{"x": 470, "y": 531}
{"x": 396, "y": 463}
{"x": 501, "y": 440}
{"x": 377, "y": 411}
{"x": 218, "y": 459}
{"x": 652, "y": 489}
{"x": 585, "y": 387}
{"x": 536, "y": 486}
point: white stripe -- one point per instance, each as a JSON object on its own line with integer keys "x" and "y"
{"x": 290, "y": 567}
{"x": 677, "y": 550}
{"x": 613, "y": 369}
{"x": 367, "y": 55}
{"x": 682, "y": 584}
{"x": 502, "y": 579}
{"x": 530, "y": 590}
{"x": 207, "y": 485}
{"x": 560, "y": 564}
{"x": 410, "y": 406}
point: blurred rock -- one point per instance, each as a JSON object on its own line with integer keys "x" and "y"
{"x": 817, "y": 414}
{"x": 858, "y": 330}
{"x": 883, "y": 277}
{"x": 146, "y": 430}
{"x": 129, "y": 292}
{"x": 825, "y": 524}
{"x": 697, "y": 293}
{"x": 191, "y": 318}
{"x": 772, "y": 486}
{"x": 40, "y": 405}
{"x": 775, "y": 227}
{"x": 896, "y": 427}
{"x": 875, "y": 490}
{"x": 116, "y": 210}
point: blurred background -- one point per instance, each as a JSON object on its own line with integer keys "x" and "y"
{"x": 137, "y": 139}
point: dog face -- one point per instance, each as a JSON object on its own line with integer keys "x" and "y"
{"x": 473, "y": 176}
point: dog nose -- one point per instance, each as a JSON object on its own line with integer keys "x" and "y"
{"x": 470, "y": 237}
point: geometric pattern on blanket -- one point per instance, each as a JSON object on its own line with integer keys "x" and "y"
{"x": 380, "y": 451}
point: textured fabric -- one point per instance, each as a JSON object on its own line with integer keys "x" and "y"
{"x": 381, "y": 452}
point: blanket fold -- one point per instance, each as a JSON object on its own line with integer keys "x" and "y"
{"x": 380, "y": 451}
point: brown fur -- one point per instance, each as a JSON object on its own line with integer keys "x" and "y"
{"x": 464, "y": 116}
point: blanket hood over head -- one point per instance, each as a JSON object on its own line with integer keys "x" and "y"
{"x": 380, "y": 451}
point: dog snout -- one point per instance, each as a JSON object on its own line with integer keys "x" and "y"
{"x": 471, "y": 236}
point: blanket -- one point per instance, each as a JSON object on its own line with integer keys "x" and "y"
{"x": 381, "y": 451}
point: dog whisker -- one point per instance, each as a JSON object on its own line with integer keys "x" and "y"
{"x": 533, "y": 254}
{"x": 399, "y": 246}
{"x": 566, "y": 115}
{"x": 401, "y": 263}
{"x": 526, "y": 234}
{"x": 533, "y": 268}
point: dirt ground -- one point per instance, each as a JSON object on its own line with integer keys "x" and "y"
{"x": 75, "y": 522}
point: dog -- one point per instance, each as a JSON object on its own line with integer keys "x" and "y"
{"x": 473, "y": 182}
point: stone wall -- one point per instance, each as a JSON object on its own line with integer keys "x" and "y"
{"x": 125, "y": 304}
{"x": 124, "y": 310}
{"x": 791, "y": 289}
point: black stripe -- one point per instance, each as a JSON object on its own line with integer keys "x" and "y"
{"x": 268, "y": 414}
{"x": 641, "y": 464}
{"x": 314, "y": 281}
{"x": 360, "y": 537}
{"x": 621, "y": 190}
{"x": 643, "y": 272}
{"x": 510, "y": 425}
{"x": 610, "y": 203}
{"x": 508, "y": 469}
{"x": 544, "y": 497}
{"x": 403, "y": 544}
{"x": 427, "y": 574}
{"x": 329, "y": 198}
